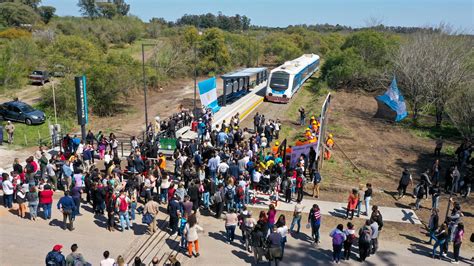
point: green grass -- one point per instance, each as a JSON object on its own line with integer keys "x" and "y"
{"x": 28, "y": 136}
{"x": 338, "y": 129}
{"x": 424, "y": 128}
{"x": 34, "y": 135}
{"x": 311, "y": 97}
{"x": 135, "y": 49}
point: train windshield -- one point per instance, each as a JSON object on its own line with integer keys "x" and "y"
{"x": 279, "y": 81}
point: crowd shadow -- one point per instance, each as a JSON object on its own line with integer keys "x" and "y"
{"x": 340, "y": 213}
{"x": 244, "y": 256}
{"x": 218, "y": 236}
{"x": 413, "y": 239}
{"x": 139, "y": 228}
{"x": 55, "y": 223}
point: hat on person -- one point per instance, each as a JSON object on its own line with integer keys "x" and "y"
{"x": 57, "y": 247}
{"x": 263, "y": 135}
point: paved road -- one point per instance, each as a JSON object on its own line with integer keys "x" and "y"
{"x": 338, "y": 209}
{"x": 27, "y": 242}
{"x": 300, "y": 251}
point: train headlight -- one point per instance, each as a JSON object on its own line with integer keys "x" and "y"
{"x": 270, "y": 94}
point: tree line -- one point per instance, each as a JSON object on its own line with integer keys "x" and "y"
{"x": 433, "y": 65}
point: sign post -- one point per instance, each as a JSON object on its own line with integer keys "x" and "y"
{"x": 81, "y": 103}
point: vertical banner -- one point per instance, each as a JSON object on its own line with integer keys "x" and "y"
{"x": 208, "y": 94}
{"x": 81, "y": 100}
{"x": 322, "y": 130}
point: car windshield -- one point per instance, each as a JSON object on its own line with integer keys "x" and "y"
{"x": 279, "y": 81}
{"x": 26, "y": 108}
{"x": 37, "y": 72}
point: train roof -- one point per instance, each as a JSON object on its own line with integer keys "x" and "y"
{"x": 296, "y": 65}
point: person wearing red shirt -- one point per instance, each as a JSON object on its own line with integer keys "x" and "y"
{"x": 46, "y": 201}
{"x": 352, "y": 203}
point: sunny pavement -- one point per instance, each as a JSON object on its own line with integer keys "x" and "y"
{"x": 338, "y": 209}
{"x": 300, "y": 250}
{"x": 26, "y": 242}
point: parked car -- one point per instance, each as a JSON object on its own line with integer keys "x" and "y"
{"x": 39, "y": 76}
{"x": 21, "y": 112}
{"x": 58, "y": 71}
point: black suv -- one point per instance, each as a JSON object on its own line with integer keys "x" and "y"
{"x": 21, "y": 112}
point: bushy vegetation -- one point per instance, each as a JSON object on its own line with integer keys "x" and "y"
{"x": 105, "y": 45}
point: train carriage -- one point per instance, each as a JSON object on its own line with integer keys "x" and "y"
{"x": 287, "y": 79}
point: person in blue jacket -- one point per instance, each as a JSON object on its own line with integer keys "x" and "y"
{"x": 67, "y": 206}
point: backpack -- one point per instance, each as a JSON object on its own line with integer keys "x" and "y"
{"x": 365, "y": 237}
{"x": 240, "y": 192}
{"x": 30, "y": 168}
{"x": 229, "y": 195}
{"x": 52, "y": 259}
{"x": 350, "y": 238}
{"x": 317, "y": 178}
{"x": 338, "y": 239}
{"x": 77, "y": 261}
{"x": 123, "y": 204}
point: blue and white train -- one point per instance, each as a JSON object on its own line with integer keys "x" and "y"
{"x": 287, "y": 79}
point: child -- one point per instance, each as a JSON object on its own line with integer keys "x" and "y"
{"x": 182, "y": 224}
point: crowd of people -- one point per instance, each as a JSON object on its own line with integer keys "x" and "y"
{"x": 458, "y": 179}
{"x": 220, "y": 172}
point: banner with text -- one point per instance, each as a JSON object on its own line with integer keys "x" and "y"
{"x": 81, "y": 100}
{"x": 297, "y": 151}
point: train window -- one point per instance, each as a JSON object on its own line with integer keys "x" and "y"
{"x": 279, "y": 81}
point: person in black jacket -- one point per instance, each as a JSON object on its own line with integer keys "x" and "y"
{"x": 193, "y": 193}
{"x": 420, "y": 194}
{"x": 405, "y": 180}
{"x": 377, "y": 216}
{"x": 433, "y": 224}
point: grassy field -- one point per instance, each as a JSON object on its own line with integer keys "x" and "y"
{"x": 34, "y": 135}
{"x": 311, "y": 97}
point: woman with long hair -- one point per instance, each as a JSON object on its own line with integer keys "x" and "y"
{"x": 33, "y": 201}
{"x": 282, "y": 229}
{"x": 352, "y": 202}
{"x": 191, "y": 232}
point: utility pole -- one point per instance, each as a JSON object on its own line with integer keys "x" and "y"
{"x": 54, "y": 105}
{"x": 144, "y": 81}
{"x": 195, "y": 75}
{"x": 195, "y": 78}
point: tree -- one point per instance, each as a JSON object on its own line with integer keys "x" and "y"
{"x": 409, "y": 66}
{"x": 16, "y": 14}
{"x": 107, "y": 10}
{"x": 343, "y": 69}
{"x": 17, "y": 58}
{"x": 214, "y": 55}
{"x": 31, "y": 3}
{"x": 281, "y": 48}
{"x": 46, "y": 13}
{"x": 460, "y": 109}
{"x": 374, "y": 47}
{"x": 122, "y": 7}
{"x": 74, "y": 53}
{"x": 88, "y": 8}
{"x": 434, "y": 65}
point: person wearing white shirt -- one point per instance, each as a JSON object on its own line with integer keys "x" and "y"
{"x": 282, "y": 230}
{"x": 107, "y": 261}
{"x": 256, "y": 180}
{"x": 222, "y": 168}
{"x": 7, "y": 186}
